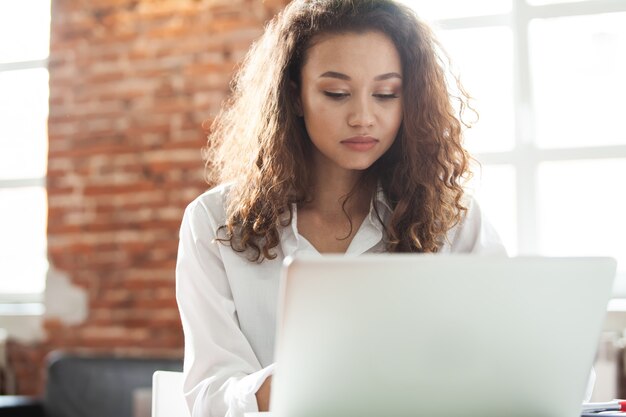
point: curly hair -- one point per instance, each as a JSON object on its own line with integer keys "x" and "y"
{"x": 259, "y": 142}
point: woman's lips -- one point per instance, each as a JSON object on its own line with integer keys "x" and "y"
{"x": 360, "y": 143}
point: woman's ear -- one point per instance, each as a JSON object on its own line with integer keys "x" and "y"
{"x": 295, "y": 91}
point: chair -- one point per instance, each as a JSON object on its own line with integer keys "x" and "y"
{"x": 98, "y": 386}
{"x": 90, "y": 385}
{"x": 167, "y": 395}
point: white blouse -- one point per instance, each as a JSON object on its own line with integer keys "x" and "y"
{"x": 228, "y": 304}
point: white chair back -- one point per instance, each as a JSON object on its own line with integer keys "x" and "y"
{"x": 167, "y": 395}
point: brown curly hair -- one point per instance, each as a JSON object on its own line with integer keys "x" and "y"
{"x": 259, "y": 142}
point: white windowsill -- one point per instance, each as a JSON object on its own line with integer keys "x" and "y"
{"x": 21, "y": 309}
{"x": 617, "y": 305}
{"x": 23, "y": 322}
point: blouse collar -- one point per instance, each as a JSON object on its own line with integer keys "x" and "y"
{"x": 369, "y": 237}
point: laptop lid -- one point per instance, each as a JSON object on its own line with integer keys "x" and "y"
{"x": 407, "y": 335}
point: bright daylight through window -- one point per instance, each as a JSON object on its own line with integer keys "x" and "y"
{"x": 23, "y": 148}
{"x": 548, "y": 81}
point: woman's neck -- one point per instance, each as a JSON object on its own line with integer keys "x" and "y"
{"x": 331, "y": 188}
{"x": 339, "y": 205}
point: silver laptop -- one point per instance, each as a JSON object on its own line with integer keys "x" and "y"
{"x": 408, "y": 335}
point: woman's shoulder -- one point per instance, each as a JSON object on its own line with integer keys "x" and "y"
{"x": 211, "y": 204}
{"x": 216, "y": 196}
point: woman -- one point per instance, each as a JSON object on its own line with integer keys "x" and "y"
{"x": 340, "y": 136}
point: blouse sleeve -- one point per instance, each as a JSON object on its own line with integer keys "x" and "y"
{"x": 221, "y": 372}
{"x": 475, "y": 234}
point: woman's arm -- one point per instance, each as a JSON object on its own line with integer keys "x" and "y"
{"x": 263, "y": 395}
{"x": 222, "y": 373}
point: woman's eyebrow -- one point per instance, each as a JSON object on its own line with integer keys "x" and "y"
{"x": 334, "y": 74}
{"x": 387, "y": 76}
{"x": 341, "y": 76}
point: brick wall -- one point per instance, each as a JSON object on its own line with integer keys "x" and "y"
{"x": 131, "y": 82}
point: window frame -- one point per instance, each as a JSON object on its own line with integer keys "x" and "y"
{"x": 26, "y": 303}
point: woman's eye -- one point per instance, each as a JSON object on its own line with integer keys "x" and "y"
{"x": 386, "y": 96}
{"x": 335, "y": 95}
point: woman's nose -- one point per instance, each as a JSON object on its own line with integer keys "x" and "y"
{"x": 361, "y": 114}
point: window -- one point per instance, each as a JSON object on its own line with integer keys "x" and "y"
{"x": 547, "y": 78}
{"x": 25, "y": 30}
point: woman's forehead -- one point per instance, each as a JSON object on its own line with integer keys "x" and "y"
{"x": 353, "y": 52}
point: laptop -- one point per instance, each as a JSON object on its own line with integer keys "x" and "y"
{"x": 433, "y": 335}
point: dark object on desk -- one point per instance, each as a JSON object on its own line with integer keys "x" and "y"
{"x": 605, "y": 414}
{"x": 91, "y": 386}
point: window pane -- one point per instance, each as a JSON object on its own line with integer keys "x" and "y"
{"x": 485, "y": 62}
{"x": 23, "y": 116}
{"x": 23, "y": 261}
{"x": 578, "y": 66}
{"x": 446, "y": 9}
{"x": 581, "y": 209}
{"x": 494, "y": 188}
{"x": 27, "y": 24}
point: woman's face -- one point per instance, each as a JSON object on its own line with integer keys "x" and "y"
{"x": 350, "y": 97}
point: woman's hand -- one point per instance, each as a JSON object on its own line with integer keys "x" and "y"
{"x": 263, "y": 394}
